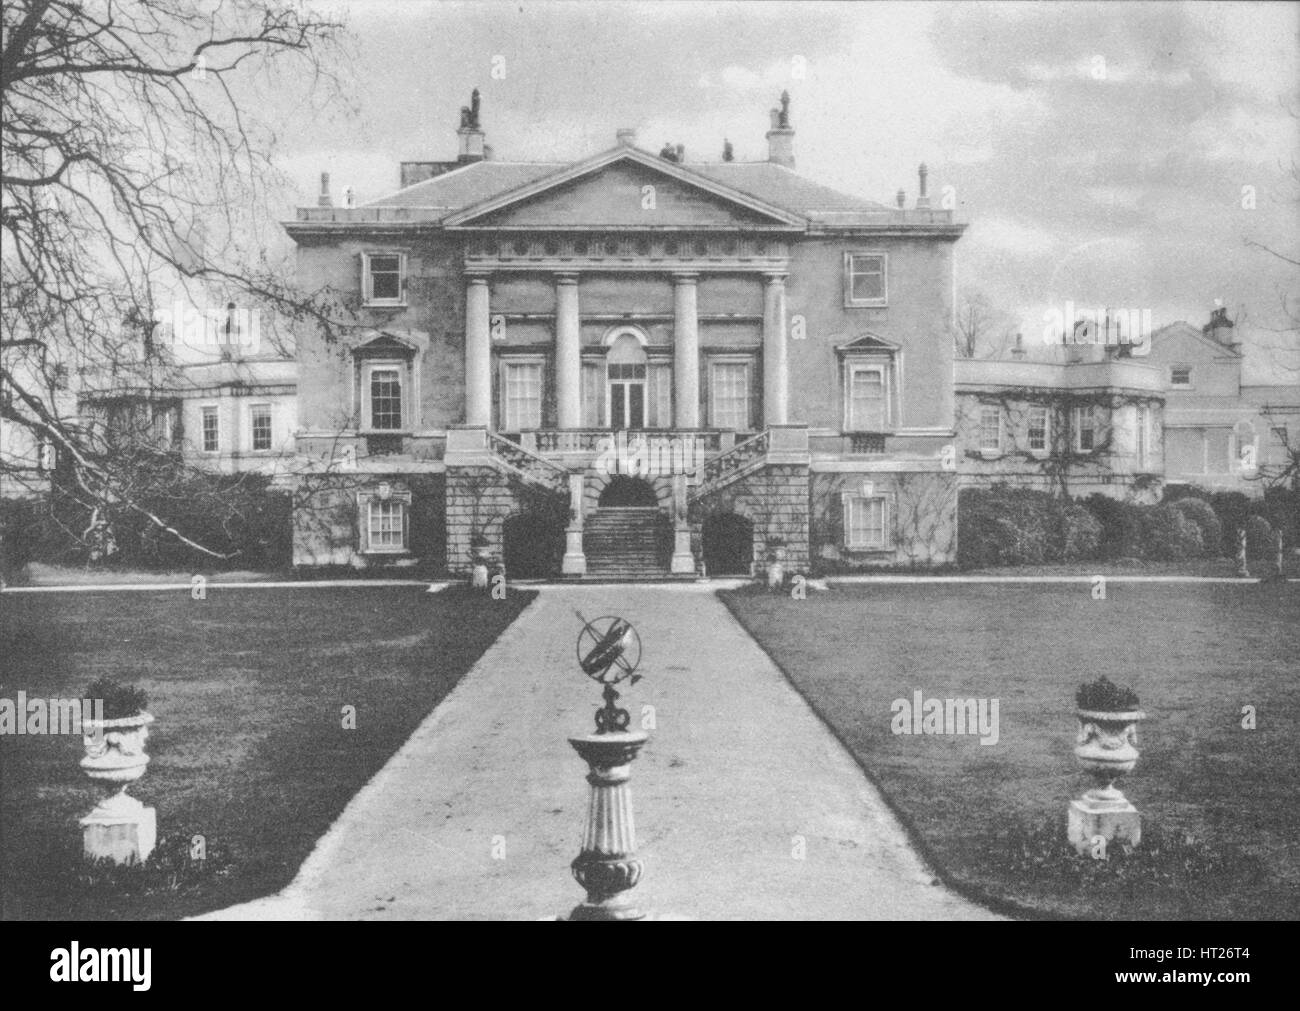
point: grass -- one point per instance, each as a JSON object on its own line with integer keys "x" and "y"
{"x": 1221, "y": 825}
{"x": 248, "y": 751}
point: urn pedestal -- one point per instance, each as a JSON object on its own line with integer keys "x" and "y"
{"x": 607, "y": 866}
{"x": 120, "y": 828}
{"x": 1107, "y": 748}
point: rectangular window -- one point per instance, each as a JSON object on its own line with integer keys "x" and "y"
{"x": 868, "y": 399}
{"x": 864, "y": 279}
{"x": 866, "y": 522}
{"x": 1180, "y": 375}
{"x": 385, "y": 278}
{"x": 1085, "y": 430}
{"x": 1038, "y": 429}
{"x": 729, "y": 397}
{"x": 523, "y": 396}
{"x": 261, "y": 427}
{"x": 990, "y": 427}
{"x": 386, "y": 524}
{"x": 386, "y": 399}
{"x": 593, "y": 396}
{"x": 211, "y": 430}
{"x": 659, "y": 396}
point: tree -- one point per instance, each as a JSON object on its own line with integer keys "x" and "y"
{"x": 135, "y": 158}
{"x": 978, "y": 326}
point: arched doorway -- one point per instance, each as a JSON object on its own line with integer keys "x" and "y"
{"x": 625, "y": 492}
{"x": 532, "y": 546}
{"x": 727, "y": 542}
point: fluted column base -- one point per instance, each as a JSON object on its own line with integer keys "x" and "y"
{"x": 607, "y": 866}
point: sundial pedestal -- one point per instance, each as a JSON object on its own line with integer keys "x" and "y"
{"x": 607, "y": 866}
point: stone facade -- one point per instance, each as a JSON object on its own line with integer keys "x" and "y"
{"x": 1078, "y": 423}
{"x": 1222, "y": 433}
{"x": 516, "y": 320}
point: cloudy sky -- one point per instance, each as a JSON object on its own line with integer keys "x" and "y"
{"x": 1109, "y": 153}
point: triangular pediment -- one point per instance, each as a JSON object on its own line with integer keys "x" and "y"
{"x": 384, "y": 344}
{"x": 866, "y": 344}
{"x": 624, "y": 188}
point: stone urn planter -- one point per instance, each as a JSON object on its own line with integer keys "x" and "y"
{"x": 776, "y": 556}
{"x": 1106, "y": 748}
{"x": 120, "y": 827}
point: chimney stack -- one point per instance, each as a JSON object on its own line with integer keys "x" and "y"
{"x": 324, "y": 200}
{"x": 1220, "y": 327}
{"x": 1019, "y": 350}
{"x": 627, "y": 136}
{"x": 922, "y": 200}
{"x": 780, "y": 138}
{"x": 901, "y": 198}
{"x": 470, "y": 132}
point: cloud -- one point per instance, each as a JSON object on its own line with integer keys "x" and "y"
{"x": 1011, "y": 236}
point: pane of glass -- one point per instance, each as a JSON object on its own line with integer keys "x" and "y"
{"x": 385, "y": 286}
{"x": 731, "y": 395}
{"x": 990, "y": 428}
{"x": 617, "y": 406}
{"x": 385, "y": 399}
{"x": 867, "y": 277}
{"x": 261, "y": 429}
{"x": 867, "y": 406}
{"x": 636, "y": 404}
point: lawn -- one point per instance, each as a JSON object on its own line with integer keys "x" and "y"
{"x": 249, "y": 749}
{"x": 1221, "y": 821}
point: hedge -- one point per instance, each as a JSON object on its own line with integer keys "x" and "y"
{"x": 1017, "y": 526}
{"x": 239, "y": 516}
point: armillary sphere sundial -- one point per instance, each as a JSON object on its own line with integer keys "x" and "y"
{"x": 609, "y": 651}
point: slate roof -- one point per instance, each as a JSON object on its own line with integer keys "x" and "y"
{"x": 773, "y": 184}
{"x": 468, "y": 185}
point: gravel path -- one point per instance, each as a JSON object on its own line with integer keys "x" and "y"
{"x": 746, "y": 806}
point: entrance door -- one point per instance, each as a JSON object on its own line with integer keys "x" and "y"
{"x": 728, "y": 545}
{"x": 626, "y": 377}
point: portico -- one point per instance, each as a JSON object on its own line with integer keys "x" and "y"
{"x": 624, "y": 393}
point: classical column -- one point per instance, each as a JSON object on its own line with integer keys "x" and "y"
{"x": 568, "y": 359}
{"x": 478, "y": 353}
{"x": 686, "y": 351}
{"x": 776, "y": 368}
